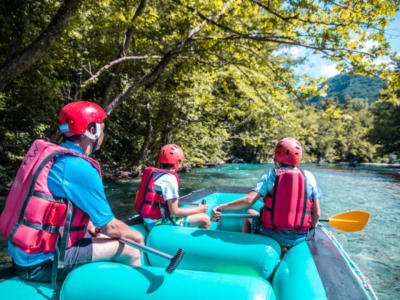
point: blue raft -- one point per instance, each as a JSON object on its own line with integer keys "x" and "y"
{"x": 221, "y": 263}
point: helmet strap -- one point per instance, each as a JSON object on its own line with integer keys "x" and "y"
{"x": 94, "y": 137}
{"x": 95, "y": 146}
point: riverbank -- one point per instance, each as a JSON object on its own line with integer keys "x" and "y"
{"x": 123, "y": 174}
{"x": 379, "y": 165}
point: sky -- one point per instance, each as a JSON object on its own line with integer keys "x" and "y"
{"x": 316, "y": 66}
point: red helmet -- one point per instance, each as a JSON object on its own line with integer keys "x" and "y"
{"x": 171, "y": 154}
{"x": 75, "y": 117}
{"x": 288, "y": 151}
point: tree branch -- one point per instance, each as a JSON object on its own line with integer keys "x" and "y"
{"x": 160, "y": 67}
{"x": 124, "y": 47}
{"x": 273, "y": 39}
{"x": 17, "y": 64}
{"x": 115, "y": 62}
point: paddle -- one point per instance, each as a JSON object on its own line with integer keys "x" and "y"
{"x": 191, "y": 203}
{"x": 350, "y": 221}
{"x": 175, "y": 260}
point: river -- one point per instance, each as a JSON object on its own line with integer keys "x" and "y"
{"x": 375, "y": 249}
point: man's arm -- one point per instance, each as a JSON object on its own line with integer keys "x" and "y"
{"x": 117, "y": 229}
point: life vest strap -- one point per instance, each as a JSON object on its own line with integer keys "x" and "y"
{"x": 275, "y": 189}
{"x": 50, "y": 228}
{"x": 154, "y": 192}
{"x": 155, "y": 203}
{"x": 61, "y": 246}
{"x": 305, "y": 201}
{"x": 47, "y": 228}
{"x": 49, "y": 197}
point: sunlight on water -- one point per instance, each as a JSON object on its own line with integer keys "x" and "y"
{"x": 375, "y": 250}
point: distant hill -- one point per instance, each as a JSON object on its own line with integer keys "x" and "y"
{"x": 351, "y": 86}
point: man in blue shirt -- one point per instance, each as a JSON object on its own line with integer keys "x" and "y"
{"x": 76, "y": 179}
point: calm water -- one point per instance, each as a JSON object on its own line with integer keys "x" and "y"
{"x": 375, "y": 250}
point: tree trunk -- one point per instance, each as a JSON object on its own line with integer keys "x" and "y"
{"x": 146, "y": 142}
{"x": 124, "y": 47}
{"x": 17, "y": 64}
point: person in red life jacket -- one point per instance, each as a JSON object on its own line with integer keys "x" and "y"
{"x": 290, "y": 195}
{"x": 57, "y": 206}
{"x": 157, "y": 198}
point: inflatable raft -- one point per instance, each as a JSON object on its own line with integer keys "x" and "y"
{"x": 220, "y": 263}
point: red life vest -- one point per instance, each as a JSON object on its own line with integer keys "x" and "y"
{"x": 287, "y": 206}
{"x": 149, "y": 202}
{"x": 33, "y": 218}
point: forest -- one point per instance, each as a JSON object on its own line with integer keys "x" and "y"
{"x": 211, "y": 76}
{"x": 342, "y": 87}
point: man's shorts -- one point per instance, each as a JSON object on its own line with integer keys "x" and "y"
{"x": 77, "y": 255}
{"x": 177, "y": 221}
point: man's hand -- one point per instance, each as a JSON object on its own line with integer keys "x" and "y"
{"x": 93, "y": 230}
{"x": 117, "y": 229}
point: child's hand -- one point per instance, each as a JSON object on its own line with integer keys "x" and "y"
{"x": 216, "y": 213}
{"x": 203, "y": 208}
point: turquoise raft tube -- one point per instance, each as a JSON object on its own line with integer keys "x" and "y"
{"x": 221, "y": 263}
{"x": 153, "y": 283}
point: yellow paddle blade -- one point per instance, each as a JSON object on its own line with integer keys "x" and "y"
{"x": 350, "y": 221}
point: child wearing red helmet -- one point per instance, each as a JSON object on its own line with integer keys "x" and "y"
{"x": 291, "y": 199}
{"x": 157, "y": 198}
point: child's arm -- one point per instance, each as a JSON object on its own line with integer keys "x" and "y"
{"x": 177, "y": 211}
{"x": 316, "y": 213}
{"x": 243, "y": 202}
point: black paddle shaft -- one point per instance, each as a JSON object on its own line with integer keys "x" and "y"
{"x": 175, "y": 260}
{"x": 192, "y": 203}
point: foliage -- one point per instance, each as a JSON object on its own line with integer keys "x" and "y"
{"x": 386, "y": 129}
{"x": 212, "y": 76}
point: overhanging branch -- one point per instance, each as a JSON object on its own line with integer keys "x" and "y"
{"x": 160, "y": 67}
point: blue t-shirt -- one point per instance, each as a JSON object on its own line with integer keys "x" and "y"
{"x": 76, "y": 179}
{"x": 266, "y": 183}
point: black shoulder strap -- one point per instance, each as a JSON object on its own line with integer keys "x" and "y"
{"x": 61, "y": 245}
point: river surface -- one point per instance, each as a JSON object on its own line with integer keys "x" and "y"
{"x": 375, "y": 249}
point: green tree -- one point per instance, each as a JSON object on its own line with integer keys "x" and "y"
{"x": 210, "y": 75}
{"x": 386, "y": 129}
